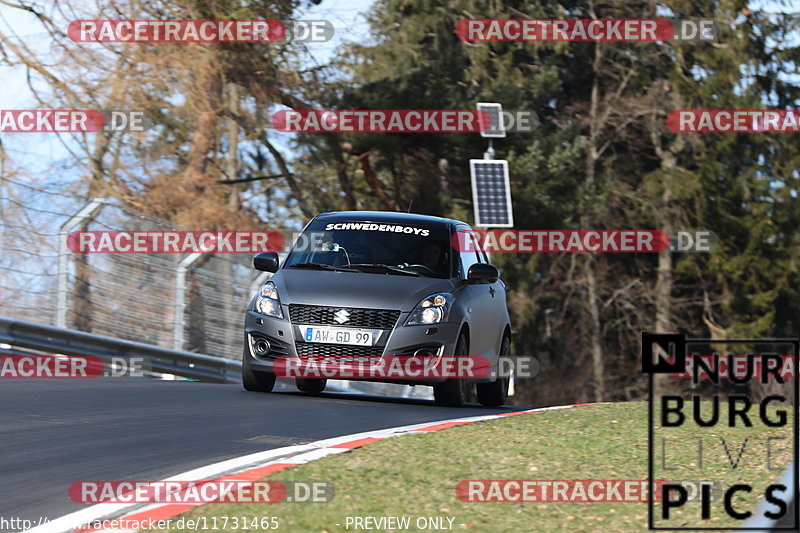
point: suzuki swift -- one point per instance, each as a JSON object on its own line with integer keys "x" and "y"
{"x": 380, "y": 284}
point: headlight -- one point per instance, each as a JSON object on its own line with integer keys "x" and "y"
{"x": 431, "y": 310}
{"x": 267, "y": 301}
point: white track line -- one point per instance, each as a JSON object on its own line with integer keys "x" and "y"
{"x": 298, "y": 454}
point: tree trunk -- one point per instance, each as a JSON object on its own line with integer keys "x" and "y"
{"x": 229, "y": 308}
{"x": 596, "y": 341}
{"x": 662, "y": 384}
{"x": 598, "y": 368}
{"x": 82, "y": 307}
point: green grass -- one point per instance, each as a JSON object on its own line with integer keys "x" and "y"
{"x": 415, "y": 475}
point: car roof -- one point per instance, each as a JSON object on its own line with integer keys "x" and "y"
{"x": 386, "y": 216}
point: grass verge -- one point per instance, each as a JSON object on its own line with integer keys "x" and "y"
{"x": 415, "y": 475}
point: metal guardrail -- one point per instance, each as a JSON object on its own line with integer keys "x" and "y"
{"x": 51, "y": 339}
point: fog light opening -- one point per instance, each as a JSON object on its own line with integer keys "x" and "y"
{"x": 261, "y": 347}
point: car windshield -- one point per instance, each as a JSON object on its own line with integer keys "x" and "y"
{"x": 374, "y": 247}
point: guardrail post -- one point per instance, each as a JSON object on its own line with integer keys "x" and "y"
{"x": 87, "y": 211}
{"x": 179, "y": 313}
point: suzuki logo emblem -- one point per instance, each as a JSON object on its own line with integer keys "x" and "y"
{"x": 341, "y": 316}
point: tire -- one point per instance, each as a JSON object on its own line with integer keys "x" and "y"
{"x": 312, "y": 386}
{"x": 255, "y": 380}
{"x": 453, "y": 392}
{"x": 495, "y": 394}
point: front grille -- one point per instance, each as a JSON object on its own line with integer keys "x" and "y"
{"x": 313, "y": 349}
{"x": 359, "y": 318}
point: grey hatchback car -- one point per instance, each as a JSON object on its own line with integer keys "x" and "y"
{"x": 380, "y": 284}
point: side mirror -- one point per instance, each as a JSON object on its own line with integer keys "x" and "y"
{"x": 266, "y": 261}
{"x": 482, "y": 273}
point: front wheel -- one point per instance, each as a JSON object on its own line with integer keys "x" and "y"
{"x": 495, "y": 394}
{"x": 453, "y": 392}
{"x": 254, "y": 380}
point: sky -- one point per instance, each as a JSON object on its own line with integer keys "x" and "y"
{"x": 38, "y": 151}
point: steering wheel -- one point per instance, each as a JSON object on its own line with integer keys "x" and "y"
{"x": 417, "y": 265}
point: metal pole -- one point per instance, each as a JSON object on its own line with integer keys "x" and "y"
{"x": 258, "y": 282}
{"x": 489, "y": 153}
{"x": 179, "y": 313}
{"x": 87, "y": 211}
{"x": 262, "y": 277}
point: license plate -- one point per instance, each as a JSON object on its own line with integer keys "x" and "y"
{"x": 360, "y": 337}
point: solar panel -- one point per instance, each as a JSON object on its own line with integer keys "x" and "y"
{"x": 495, "y": 129}
{"x": 491, "y": 193}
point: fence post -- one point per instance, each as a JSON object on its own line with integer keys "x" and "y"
{"x": 87, "y": 211}
{"x": 262, "y": 277}
{"x": 179, "y": 312}
{"x": 257, "y": 282}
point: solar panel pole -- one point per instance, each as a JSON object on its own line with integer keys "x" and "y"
{"x": 489, "y": 153}
{"x": 491, "y": 190}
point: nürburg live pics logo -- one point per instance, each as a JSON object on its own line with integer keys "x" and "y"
{"x": 723, "y": 411}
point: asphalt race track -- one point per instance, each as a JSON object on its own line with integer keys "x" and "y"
{"x": 57, "y": 431}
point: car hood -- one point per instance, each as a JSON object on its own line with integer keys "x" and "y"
{"x": 355, "y": 289}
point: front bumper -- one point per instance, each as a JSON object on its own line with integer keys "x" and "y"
{"x": 285, "y": 339}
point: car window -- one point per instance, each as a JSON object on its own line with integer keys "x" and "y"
{"x": 423, "y": 249}
{"x": 484, "y": 257}
{"x": 470, "y": 256}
